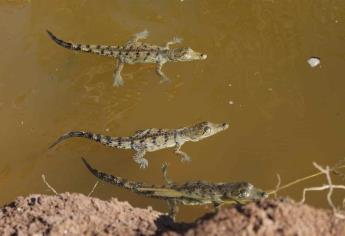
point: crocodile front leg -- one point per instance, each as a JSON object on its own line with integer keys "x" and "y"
{"x": 172, "y": 208}
{"x": 184, "y": 156}
{"x": 118, "y": 81}
{"x": 163, "y": 77}
{"x": 139, "y": 158}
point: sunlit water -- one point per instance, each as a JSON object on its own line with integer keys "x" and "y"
{"x": 283, "y": 114}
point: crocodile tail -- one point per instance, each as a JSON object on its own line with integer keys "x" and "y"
{"x": 118, "y": 181}
{"x": 115, "y": 142}
{"x": 111, "y": 51}
{"x": 83, "y": 134}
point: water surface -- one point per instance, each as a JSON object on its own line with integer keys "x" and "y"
{"x": 283, "y": 114}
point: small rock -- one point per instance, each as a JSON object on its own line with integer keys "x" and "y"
{"x": 314, "y": 61}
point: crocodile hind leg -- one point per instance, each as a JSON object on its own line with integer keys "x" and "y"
{"x": 172, "y": 209}
{"x": 118, "y": 81}
{"x": 184, "y": 156}
{"x": 163, "y": 77}
{"x": 165, "y": 174}
{"x": 139, "y": 158}
{"x": 175, "y": 40}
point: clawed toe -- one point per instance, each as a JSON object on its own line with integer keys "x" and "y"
{"x": 186, "y": 159}
{"x": 118, "y": 83}
{"x": 164, "y": 81}
{"x": 143, "y": 164}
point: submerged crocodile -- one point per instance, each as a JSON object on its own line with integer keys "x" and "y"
{"x": 150, "y": 140}
{"x": 188, "y": 193}
{"x": 135, "y": 51}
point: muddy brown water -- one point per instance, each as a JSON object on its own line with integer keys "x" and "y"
{"x": 283, "y": 114}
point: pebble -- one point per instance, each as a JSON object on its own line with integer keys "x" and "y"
{"x": 314, "y": 61}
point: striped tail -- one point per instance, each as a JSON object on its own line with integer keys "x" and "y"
{"x": 103, "y": 139}
{"x": 118, "y": 181}
{"x": 110, "y": 51}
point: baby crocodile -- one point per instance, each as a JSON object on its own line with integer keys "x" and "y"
{"x": 189, "y": 193}
{"x": 150, "y": 140}
{"x": 135, "y": 51}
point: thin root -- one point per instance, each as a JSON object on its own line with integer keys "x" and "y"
{"x": 277, "y": 186}
{"x": 48, "y": 185}
{"x": 330, "y": 186}
{"x": 334, "y": 170}
{"x": 93, "y": 189}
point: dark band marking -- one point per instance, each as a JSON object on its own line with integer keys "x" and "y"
{"x": 77, "y": 47}
{"x": 143, "y": 143}
{"x": 85, "y": 48}
{"x": 108, "y": 139}
{"x": 119, "y": 141}
{"x": 166, "y": 138}
{"x": 175, "y": 136}
{"x": 147, "y": 55}
{"x": 88, "y": 135}
{"x": 97, "y": 137}
{"x": 154, "y": 140}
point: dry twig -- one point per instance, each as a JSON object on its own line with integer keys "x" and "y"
{"x": 277, "y": 186}
{"x": 93, "y": 189}
{"x": 335, "y": 168}
{"x": 330, "y": 186}
{"x": 48, "y": 185}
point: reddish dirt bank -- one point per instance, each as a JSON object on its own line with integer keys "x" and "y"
{"x": 75, "y": 214}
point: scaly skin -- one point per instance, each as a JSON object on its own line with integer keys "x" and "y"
{"x": 150, "y": 140}
{"x": 188, "y": 193}
{"x": 134, "y": 52}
